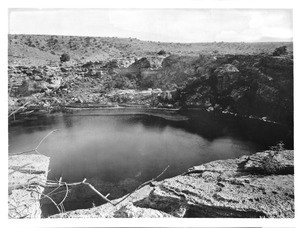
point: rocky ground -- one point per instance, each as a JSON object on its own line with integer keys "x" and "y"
{"x": 23, "y": 197}
{"x": 260, "y": 185}
{"x": 256, "y": 186}
{"x": 254, "y": 85}
{"x": 36, "y": 50}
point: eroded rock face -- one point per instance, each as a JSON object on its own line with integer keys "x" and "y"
{"x": 227, "y": 75}
{"x": 248, "y": 85}
{"x": 258, "y": 85}
{"x": 260, "y": 185}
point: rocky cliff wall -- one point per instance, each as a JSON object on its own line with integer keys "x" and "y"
{"x": 251, "y": 85}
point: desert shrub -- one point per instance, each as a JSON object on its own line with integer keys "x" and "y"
{"x": 112, "y": 64}
{"x": 268, "y": 166}
{"x": 121, "y": 82}
{"x": 65, "y": 57}
{"x": 280, "y": 51}
{"x": 88, "y": 64}
{"x": 278, "y": 147}
{"x": 145, "y": 84}
{"x": 161, "y": 52}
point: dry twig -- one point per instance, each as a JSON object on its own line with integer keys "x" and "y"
{"x": 61, "y": 203}
{"x": 23, "y": 106}
{"x": 142, "y": 185}
{"x": 36, "y": 148}
{"x": 60, "y": 183}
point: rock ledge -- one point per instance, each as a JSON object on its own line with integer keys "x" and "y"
{"x": 23, "y": 201}
{"x": 260, "y": 185}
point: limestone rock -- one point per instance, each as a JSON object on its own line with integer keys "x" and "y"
{"x": 131, "y": 211}
{"x": 23, "y": 169}
{"x": 271, "y": 162}
{"x": 235, "y": 188}
{"x": 231, "y": 188}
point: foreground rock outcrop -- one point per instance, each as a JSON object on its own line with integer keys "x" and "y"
{"x": 260, "y": 185}
{"x": 23, "y": 198}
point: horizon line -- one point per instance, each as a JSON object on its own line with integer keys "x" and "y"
{"x": 279, "y": 41}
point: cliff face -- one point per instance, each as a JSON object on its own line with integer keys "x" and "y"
{"x": 260, "y": 185}
{"x": 257, "y": 85}
{"x": 233, "y": 77}
{"x": 248, "y": 85}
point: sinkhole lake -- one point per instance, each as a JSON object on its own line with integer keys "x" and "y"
{"x": 118, "y": 152}
{"x": 116, "y": 147}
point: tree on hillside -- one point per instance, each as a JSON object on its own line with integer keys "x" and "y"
{"x": 161, "y": 52}
{"x": 65, "y": 57}
{"x": 280, "y": 51}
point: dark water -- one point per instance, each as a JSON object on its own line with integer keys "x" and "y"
{"x": 113, "y": 148}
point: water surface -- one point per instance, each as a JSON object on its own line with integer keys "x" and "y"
{"x": 138, "y": 147}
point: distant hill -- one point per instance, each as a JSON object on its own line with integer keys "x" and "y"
{"x": 47, "y": 49}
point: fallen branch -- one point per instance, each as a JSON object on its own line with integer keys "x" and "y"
{"x": 61, "y": 184}
{"x": 105, "y": 197}
{"x": 61, "y": 203}
{"x": 36, "y": 148}
{"x": 57, "y": 184}
{"x": 45, "y": 195}
{"x": 142, "y": 185}
{"x": 23, "y": 106}
{"x": 17, "y": 168}
{"x": 99, "y": 193}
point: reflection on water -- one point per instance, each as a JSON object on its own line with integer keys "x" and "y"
{"x": 114, "y": 148}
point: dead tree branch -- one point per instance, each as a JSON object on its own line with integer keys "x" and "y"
{"x": 58, "y": 184}
{"x": 61, "y": 203}
{"x": 142, "y": 185}
{"x": 45, "y": 138}
{"x": 48, "y": 197}
{"x": 23, "y": 106}
{"x": 37, "y": 147}
{"x": 98, "y": 193}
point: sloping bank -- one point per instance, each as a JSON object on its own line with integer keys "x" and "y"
{"x": 260, "y": 185}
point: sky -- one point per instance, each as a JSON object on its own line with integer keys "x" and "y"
{"x": 165, "y": 25}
